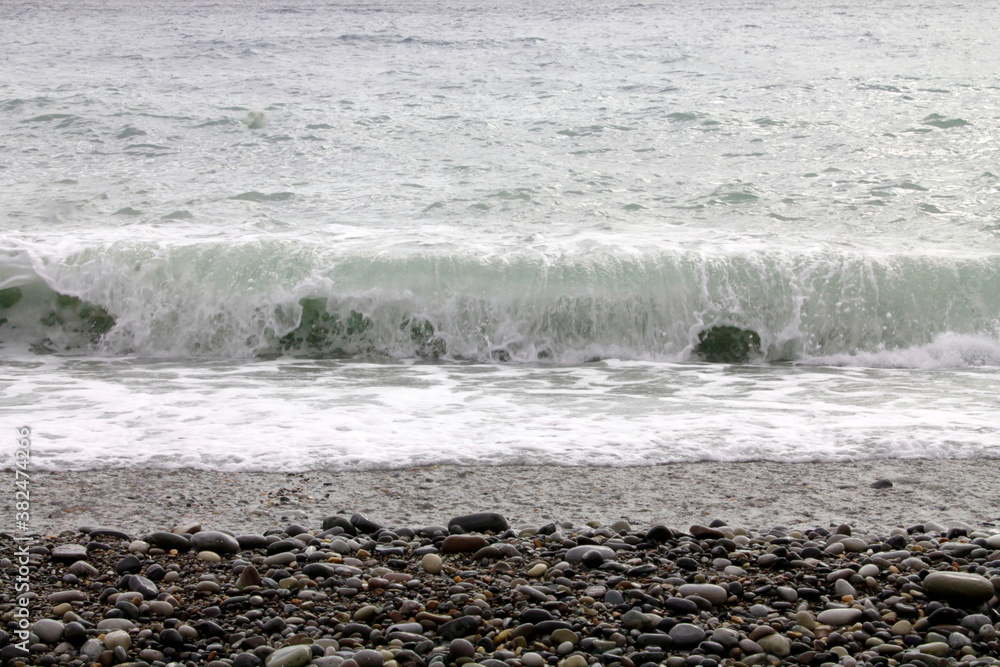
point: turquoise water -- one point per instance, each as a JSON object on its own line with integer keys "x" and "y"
{"x": 457, "y": 232}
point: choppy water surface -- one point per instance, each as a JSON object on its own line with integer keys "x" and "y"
{"x": 382, "y": 235}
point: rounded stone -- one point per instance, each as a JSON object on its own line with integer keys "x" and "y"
{"x": 432, "y": 563}
{"x": 576, "y": 554}
{"x": 716, "y": 595}
{"x": 963, "y": 588}
{"x": 209, "y": 556}
{"x": 777, "y": 645}
{"x": 532, "y": 659}
{"x": 48, "y": 630}
{"x": 117, "y": 638}
{"x": 211, "y": 540}
{"x": 368, "y": 658}
{"x": 686, "y": 635}
{"x": 454, "y": 544}
{"x": 292, "y": 656}
{"x": 575, "y": 660}
{"x": 839, "y": 616}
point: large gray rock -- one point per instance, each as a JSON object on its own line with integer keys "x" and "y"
{"x": 48, "y": 630}
{"x": 962, "y": 588}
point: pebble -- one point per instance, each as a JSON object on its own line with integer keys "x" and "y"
{"x": 290, "y": 656}
{"x": 432, "y": 563}
{"x": 370, "y": 596}
{"x": 215, "y": 541}
{"x": 839, "y": 616}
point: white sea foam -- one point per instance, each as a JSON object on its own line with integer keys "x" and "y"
{"x": 514, "y": 189}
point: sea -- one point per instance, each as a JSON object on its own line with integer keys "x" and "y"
{"x": 301, "y": 235}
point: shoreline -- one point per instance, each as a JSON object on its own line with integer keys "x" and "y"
{"x": 757, "y": 494}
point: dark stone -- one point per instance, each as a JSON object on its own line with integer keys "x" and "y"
{"x": 725, "y": 344}
{"x": 169, "y": 541}
{"x": 129, "y": 564}
{"x": 882, "y": 484}
{"x": 365, "y": 525}
{"x": 480, "y": 522}
{"x": 339, "y": 521}
{"x": 659, "y": 534}
{"x": 462, "y": 626}
{"x": 141, "y": 584}
{"x": 109, "y": 532}
{"x": 282, "y": 546}
{"x": 75, "y": 633}
{"x": 680, "y": 606}
{"x": 250, "y": 542}
{"x": 247, "y": 660}
{"x": 210, "y": 540}
{"x": 706, "y": 533}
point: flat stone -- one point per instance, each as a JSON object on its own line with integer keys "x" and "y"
{"x": 454, "y": 544}
{"x": 169, "y": 541}
{"x": 69, "y": 552}
{"x": 480, "y": 522}
{"x": 854, "y": 544}
{"x": 840, "y": 616}
{"x": 934, "y": 648}
{"x": 212, "y": 540}
{"x": 191, "y": 527}
{"x": 962, "y": 588}
{"x": 716, "y": 595}
{"x": 115, "y": 624}
{"x": 67, "y": 596}
{"x": 290, "y": 656}
{"x": 462, "y": 626}
{"x": 209, "y": 557}
{"x": 706, "y": 533}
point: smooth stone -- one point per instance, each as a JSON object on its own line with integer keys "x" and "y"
{"x": 454, "y": 544}
{"x": 777, "y": 645}
{"x": 934, "y": 648}
{"x": 532, "y": 659}
{"x": 48, "y": 630}
{"x": 290, "y": 656}
{"x": 283, "y": 558}
{"x": 575, "y": 660}
{"x": 432, "y": 563}
{"x": 480, "y": 522}
{"x": 91, "y": 649}
{"x": 959, "y": 587}
{"x": 189, "y": 527}
{"x": 169, "y": 541}
{"x": 537, "y": 570}
{"x": 161, "y": 608}
{"x": 69, "y": 552}
{"x": 368, "y": 658}
{"x": 716, "y": 595}
{"x": 117, "y": 638}
{"x": 727, "y": 637}
{"x": 115, "y": 624}
{"x": 686, "y": 635}
{"x": 462, "y": 626}
{"x": 854, "y": 544}
{"x": 211, "y": 540}
{"x": 83, "y": 569}
{"x": 993, "y": 541}
{"x": 839, "y": 616}
{"x": 706, "y": 533}
{"x": 209, "y": 556}
{"x": 67, "y": 596}
{"x": 576, "y": 554}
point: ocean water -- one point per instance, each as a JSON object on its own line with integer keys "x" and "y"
{"x": 267, "y": 235}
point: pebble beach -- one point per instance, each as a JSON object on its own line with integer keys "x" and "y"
{"x": 265, "y": 570}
